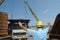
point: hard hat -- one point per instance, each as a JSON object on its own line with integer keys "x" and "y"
{"x": 39, "y": 24}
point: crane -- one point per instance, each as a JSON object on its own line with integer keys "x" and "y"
{"x": 1, "y": 1}
{"x": 33, "y": 13}
{"x": 38, "y": 23}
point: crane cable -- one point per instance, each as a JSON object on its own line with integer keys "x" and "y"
{"x": 25, "y": 9}
{"x": 12, "y": 15}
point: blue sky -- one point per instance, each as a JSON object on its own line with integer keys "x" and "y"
{"x": 46, "y": 10}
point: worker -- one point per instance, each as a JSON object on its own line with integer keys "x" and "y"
{"x": 40, "y": 33}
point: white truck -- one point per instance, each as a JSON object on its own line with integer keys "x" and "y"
{"x": 17, "y": 32}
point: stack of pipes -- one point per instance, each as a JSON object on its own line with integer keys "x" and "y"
{"x": 3, "y": 24}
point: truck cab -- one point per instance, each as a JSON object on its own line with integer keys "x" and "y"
{"x": 16, "y": 32}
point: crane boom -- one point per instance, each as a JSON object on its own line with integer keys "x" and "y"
{"x": 33, "y": 13}
{"x": 1, "y": 1}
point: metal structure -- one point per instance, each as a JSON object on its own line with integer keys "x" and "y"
{"x": 33, "y": 13}
{"x": 1, "y": 1}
